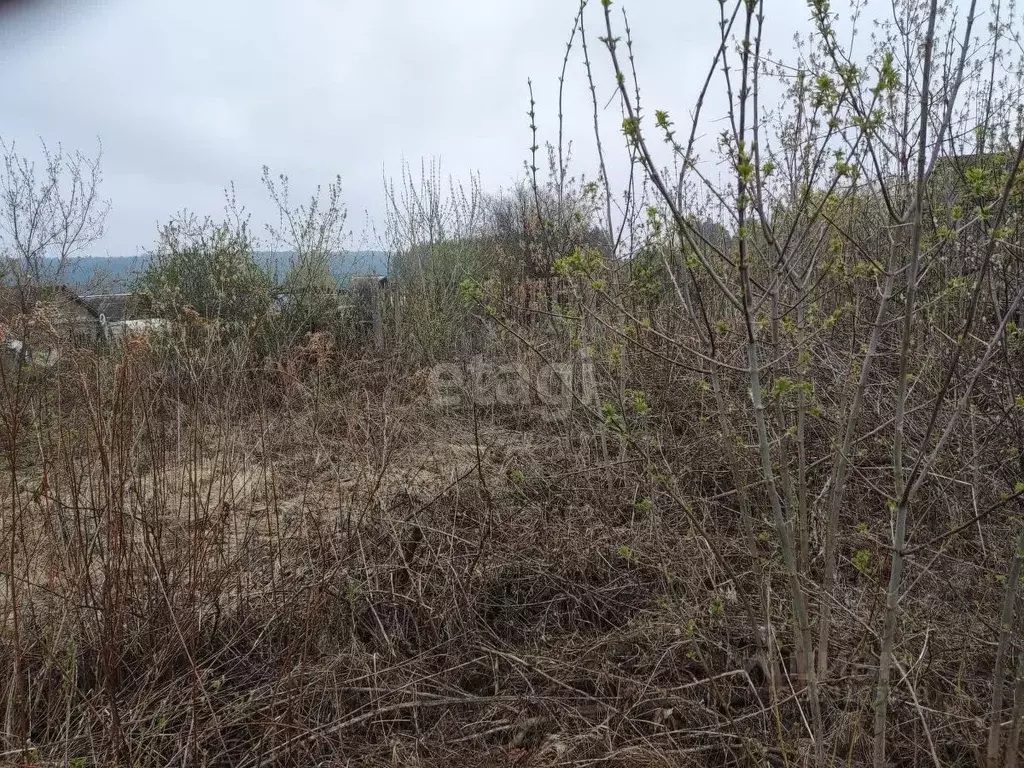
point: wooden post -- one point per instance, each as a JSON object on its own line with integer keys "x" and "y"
{"x": 368, "y": 297}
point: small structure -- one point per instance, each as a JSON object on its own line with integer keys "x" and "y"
{"x": 113, "y": 307}
{"x": 69, "y": 319}
{"x": 70, "y": 315}
{"x": 94, "y": 318}
{"x": 112, "y": 310}
{"x": 38, "y": 320}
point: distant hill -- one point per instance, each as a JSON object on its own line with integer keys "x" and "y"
{"x": 116, "y": 273}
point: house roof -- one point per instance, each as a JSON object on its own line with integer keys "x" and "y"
{"x": 113, "y": 306}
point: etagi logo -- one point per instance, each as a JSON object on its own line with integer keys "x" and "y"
{"x": 553, "y": 388}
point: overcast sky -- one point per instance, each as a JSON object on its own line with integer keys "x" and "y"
{"x": 190, "y": 95}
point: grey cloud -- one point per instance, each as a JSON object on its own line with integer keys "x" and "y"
{"x": 191, "y": 95}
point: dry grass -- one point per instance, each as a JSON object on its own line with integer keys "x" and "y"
{"x": 323, "y": 570}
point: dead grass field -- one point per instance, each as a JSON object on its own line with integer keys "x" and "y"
{"x": 335, "y": 573}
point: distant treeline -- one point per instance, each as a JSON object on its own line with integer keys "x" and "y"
{"x": 116, "y": 273}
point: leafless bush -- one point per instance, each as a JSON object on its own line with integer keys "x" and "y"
{"x": 48, "y": 215}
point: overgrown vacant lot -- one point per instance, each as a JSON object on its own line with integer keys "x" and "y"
{"x": 309, "y": 563}
{"x": 775, "y": 518}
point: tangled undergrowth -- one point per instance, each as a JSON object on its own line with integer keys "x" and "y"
{"x": 344, "y": 575}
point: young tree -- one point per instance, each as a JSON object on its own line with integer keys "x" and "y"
{"x": 49, "y": 213}
{"x": 819, "y": 306}
{"x": 206, "y": 268}
{"x": 433, "y": 232}
{"x": 313, "y": 233}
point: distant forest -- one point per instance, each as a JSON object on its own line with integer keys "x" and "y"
{"x": 116, "y": 273}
